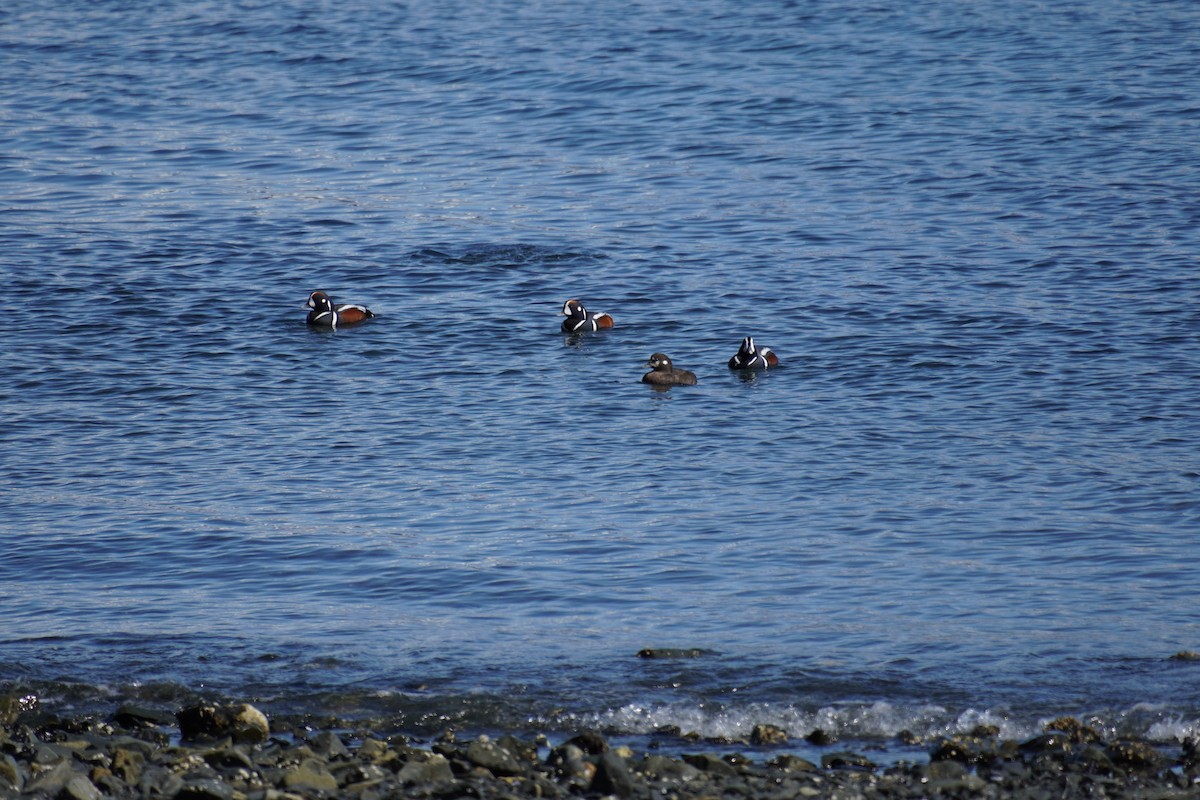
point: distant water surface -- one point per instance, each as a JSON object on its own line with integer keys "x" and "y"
{"x": 970, "y": 493}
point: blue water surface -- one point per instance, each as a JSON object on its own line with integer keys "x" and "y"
{"x": 970, "y": 231}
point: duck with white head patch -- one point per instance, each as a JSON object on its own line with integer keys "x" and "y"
{"x": 325, "y": 314}
{"x": 580, "y": 320}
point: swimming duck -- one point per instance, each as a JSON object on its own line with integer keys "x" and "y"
{"x": 325, "y": 314}
{"x": 579, "y": 319}
{"x": 752, "y": 357}
{"x": 663, "y": 373}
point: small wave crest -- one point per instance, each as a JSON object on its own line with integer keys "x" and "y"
{"x": 870, "y": 721}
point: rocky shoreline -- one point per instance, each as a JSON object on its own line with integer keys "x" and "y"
{"x": 230, "y": 752}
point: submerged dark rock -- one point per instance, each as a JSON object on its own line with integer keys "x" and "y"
{"x": 673, "y": 652}
{"x": 820, "y": 737}
{"x": 133, "y": 717}
{"x": 846, "y": 760}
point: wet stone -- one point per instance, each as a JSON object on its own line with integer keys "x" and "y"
{"x": 524, "y": 752}
{"x": 1048, "y": 743}
{"x": 1093, "y": 758}
{"x": 612, "y": 776}
{"x": 356, "y": 777}
{"x": 50, "y": 781}
{"x": 820, "y": 738}
{"x": 711, "y": 764}
{"x": 310, "y": 774}
{"x": 136, "y": 717}
{"x": 1073, "y": 729}
{"x": 377, "y": 752}
{"x": 591, "y": 743}
{"x": 205, "y": 789}
{"x": 12, "y": 777}
{"x": 762, "y": 735}
{"x": 569, "y": 761}
{"x": 672, "y": 652}
{"x": 1136, "y": 756}
{"x": 434, "y": 770}
{"x": 936, "y": 771}
{"x": 242, "y": 722}
{"x": 791, "y": 763}
{"x": 328, "y": 745}
{"x": 229, "y": 758}
{"x": 845, "y": 760}
{"x": 80, "y": 788}
{"x": 492, "y": 757}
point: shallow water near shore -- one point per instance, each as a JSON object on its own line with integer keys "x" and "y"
{"x": 968, "y": 495}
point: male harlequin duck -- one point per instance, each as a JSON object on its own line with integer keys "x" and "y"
{"x": 579, "y": 319}
{"x": 325, "y": 314}
{"x": 751, "y": 357}
{"x": 663, "y": 374}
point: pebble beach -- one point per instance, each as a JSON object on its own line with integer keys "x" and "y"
{"x": 231, "y": 751}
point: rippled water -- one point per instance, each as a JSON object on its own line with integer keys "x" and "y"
{"x": 970, "y": 232}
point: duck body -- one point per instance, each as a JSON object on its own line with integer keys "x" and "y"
{"x": 325, "y": 314}
{"x": 750, "y": 356}
{"x": 580, "y": 320}
{"x": 664, "y": 373}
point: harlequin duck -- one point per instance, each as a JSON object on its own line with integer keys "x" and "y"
{"x": 663, "y": 374}
{"x": 325, "y": 314}
{"x": 579, "y": 319}
{"x": 751, "y": 357}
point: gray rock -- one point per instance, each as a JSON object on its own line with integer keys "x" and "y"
{"x": 568, "y": 761}
{"x": 328, "y": 745}
{"x": 612, "y": 776}
{"x": 791, "y": 763}
{"x": 526, "y": 753}
{"x": 435, "y": 769}
{"x": 205, "y": 789}
{"x": 157, "y": 781}
{"x": 310, "y": 774}
{"x": 80, "y": 788}
{"x": 487, "y": 754}
{"x": 710, "y": 764}
{"x": 661, "y": 768}
{"x": 127, "y": 764}
{"x": 940, "y": 771}
{"x": 355, "y": 777}
{"x": 113, "y": 786}
{"x": 52, "y": 781}
{"x": 12, "y": 777}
